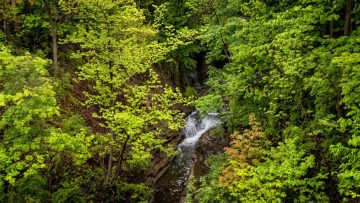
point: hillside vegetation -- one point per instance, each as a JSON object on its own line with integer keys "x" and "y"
{"x": 91, "y": 91}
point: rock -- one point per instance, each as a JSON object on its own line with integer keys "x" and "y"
{"x": 210, "y": 143}
{"x": 160, "y": 162}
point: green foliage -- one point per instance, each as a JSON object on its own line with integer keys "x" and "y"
{"x": 301, "y": 81}
{"x": 26, "y": 25}
{"x": 179, "y": 30}
{"x": 70, "y": 192}
{"x": 30, "y": 189}
{"x": 349, "y": 169}
{"x": 134, "y": 108}
{"x": 74, "y": 125}
{"x": 217, "y": 132}
{"x": 140, "y": 192}
{"x": 254, "y": 173}
{"x": 76, "y": 145}
{"x": 136, "y": 112}
{"x": 30, "y": 147}
{"x": 209, "y": 190}
{"x": 190, "y": 91}
{"x": 294, "y": 64}
{"x": 349, "y": 152}
{"x": 209, "y": 103}
{"x": 26, "y": 101}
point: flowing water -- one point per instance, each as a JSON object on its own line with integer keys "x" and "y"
{"x": 171, "y": 186}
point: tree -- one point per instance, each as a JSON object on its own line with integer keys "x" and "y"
{"x": 51, "y": 7}
{"x": 285, "y": 67}
{"x": 29, "y": 145}
{"x": 27, "y": 99}
{"x": 9, "y": 19}
{"x": 349, "y": 152}
{"x": 117, "y": 53}
{"x": 26, "y": 25}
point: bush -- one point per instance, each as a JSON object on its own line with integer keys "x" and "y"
{"x": 209, "y": 104}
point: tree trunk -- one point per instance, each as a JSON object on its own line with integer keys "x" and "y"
{"x": 110, "y": 161}
{"x": 111, "y": 152}
{"x": 55, "y": 49}
{"x": 53, "y": 30}
{"x": 348, "y": 26}
{"x": 109, "y": 167}
{"x": 102, "y": 150}
{"x": 121, "y": 159}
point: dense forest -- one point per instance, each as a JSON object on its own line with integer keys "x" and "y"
{"x": 94, "y": 93}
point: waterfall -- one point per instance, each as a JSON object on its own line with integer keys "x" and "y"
{"x": 174, "y": 181}
{"x": 194, "y": 131}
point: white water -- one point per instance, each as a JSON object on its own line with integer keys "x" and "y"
{"x": 194, "y": 131}
{"x": 174, "y": 181}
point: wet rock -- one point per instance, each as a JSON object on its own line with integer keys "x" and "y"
{"x": 211, "y": 143}
{"x": 160, "y": 162}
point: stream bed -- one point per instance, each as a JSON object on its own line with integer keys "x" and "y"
{"x": 171, "y": 187}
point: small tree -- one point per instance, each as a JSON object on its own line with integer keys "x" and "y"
{"x": 117, "y": 52}
{"x": 27, "y": 99}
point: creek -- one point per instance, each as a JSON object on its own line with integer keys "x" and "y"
{"x": 171, "y": 187}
